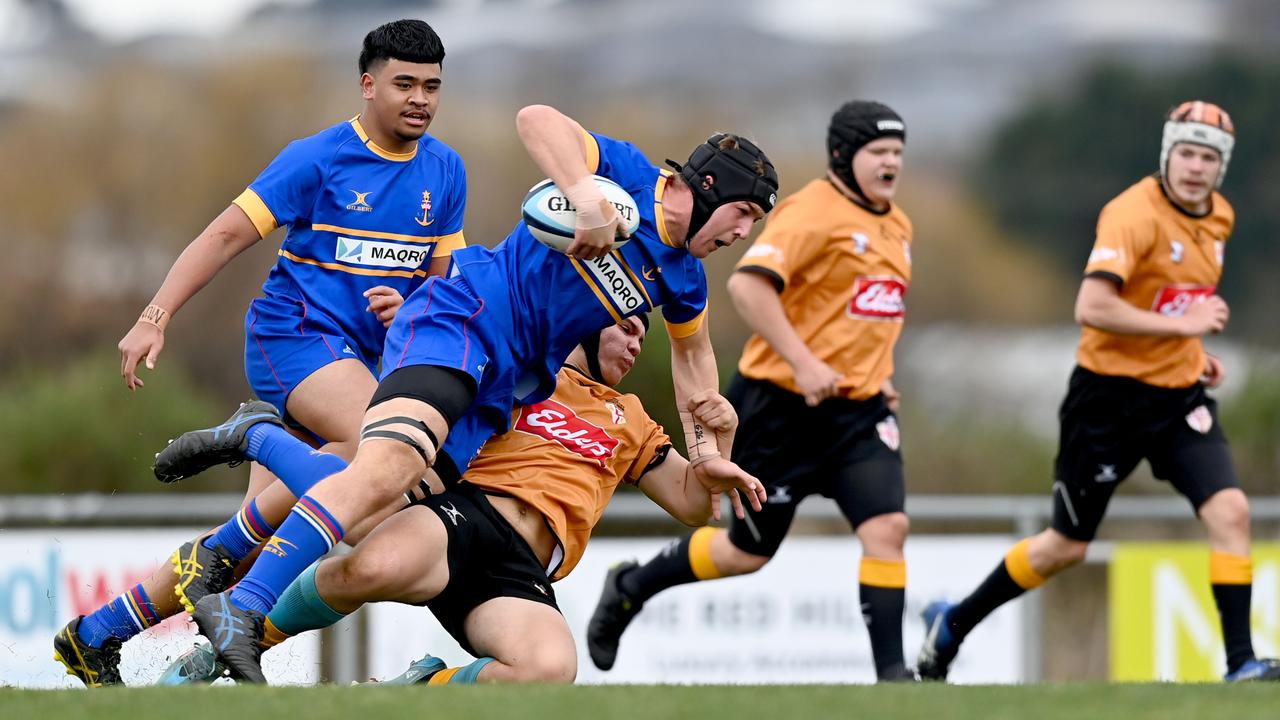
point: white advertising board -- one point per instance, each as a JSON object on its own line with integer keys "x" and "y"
{"x": 796, "y": 621}
{"x": 47, "y": 577}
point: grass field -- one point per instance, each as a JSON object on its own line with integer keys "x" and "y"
{"x": 934, "y": 702}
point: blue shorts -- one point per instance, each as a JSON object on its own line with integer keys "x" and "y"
{"x": 443, "y": 323}
{"x": 285, "y": 341}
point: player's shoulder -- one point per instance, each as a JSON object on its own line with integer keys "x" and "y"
{"x": 440, "y": 151}
{"x": 1223, "y": 210}
{"x": 1138, "y": 205}
{"x": 815, "y": 208}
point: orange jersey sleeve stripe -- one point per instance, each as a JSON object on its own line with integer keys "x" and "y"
{"x": 259, "y": 214}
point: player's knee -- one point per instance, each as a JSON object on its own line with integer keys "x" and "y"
{"x": 886, "y": 533}
{"x": 1227, "y": 512}
{"x": 387, "y": 469}
{"x": 1069, "y": 553}
{"x": 375, "y": 573}
{"x": 548, "y": 665}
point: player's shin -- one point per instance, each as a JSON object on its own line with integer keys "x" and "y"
{"x": 683, "y": 561}
{"x": 288, "y": 458}
{"x": 1010, "y": 579}
{"x": 300, "y": 608}
{"x": 882, "y": 590}
{"x": 1231, "y": 577}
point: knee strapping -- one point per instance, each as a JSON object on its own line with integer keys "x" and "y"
{"x": 407, "y": 430}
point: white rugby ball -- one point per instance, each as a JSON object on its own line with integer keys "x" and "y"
{"x": 552, "y": 219}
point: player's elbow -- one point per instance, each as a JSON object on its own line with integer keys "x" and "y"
{"x": 694, "y": 515}
{"x": 530, "y": 117}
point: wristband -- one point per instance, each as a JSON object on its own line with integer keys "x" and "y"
{"x": 700, "y": 442}
{"x": 155, "y": 315}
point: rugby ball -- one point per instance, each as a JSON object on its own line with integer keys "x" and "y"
{"x": 552, "y": 219}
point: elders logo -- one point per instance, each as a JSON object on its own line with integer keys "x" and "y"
{"x": 553, "y": 421}
{"x": 878, "y": 298}
{"x": 1173, "y": 300}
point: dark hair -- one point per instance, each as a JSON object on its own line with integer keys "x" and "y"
{"x": 408, "y": 40}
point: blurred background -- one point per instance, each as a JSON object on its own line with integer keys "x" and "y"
{"x": 126, "y": 126}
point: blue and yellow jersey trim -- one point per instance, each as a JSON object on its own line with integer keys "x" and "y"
{"x": 687, "y": 328}
{"x": 259, "y": 214}
{"x": 377, "y": 149}
{"x": 659, "y": 215}
{"x": 614, "y": 284}
{"x": 591, "y": 151}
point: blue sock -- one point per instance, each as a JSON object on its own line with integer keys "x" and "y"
{"x": 300, "y": 607}
{"x": 122, "y": 618}
{"x": 242, "y": 533}
{"x": 290, "y": 459}
{"x": 465, "y": 675}
{"x": 304, "y": 537}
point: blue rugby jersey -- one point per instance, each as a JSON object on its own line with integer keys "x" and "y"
{"x": 357, "y": 216}
{"x": 557, "y": 300}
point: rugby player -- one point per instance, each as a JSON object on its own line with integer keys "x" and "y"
{"x": 822, "y": 287}
{"x": 463, "y": 350}
{"x": 483, "y": 554}
{"x": 373, "y": 206}
{"x": 1148, "y": 297}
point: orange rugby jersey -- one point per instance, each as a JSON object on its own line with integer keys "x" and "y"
{"x": 566, "y": 455}
{"x": 842, "y": 273}
{"x": 1163, "y": 259}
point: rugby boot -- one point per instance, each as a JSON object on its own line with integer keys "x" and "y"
{"x": 197, "y": 666}
{"x": 940, "y": 646}
{"x": 95, "y": 667}
{"x": 1253, "y": 670}
{"x": 236, "y": 635}
{"x": 201, "y": 571}
{"x": 899, "y": 675}
{"x": 613, "y": 613}
{"x": 198, "y": 450}
{"x": 419, "y": 671}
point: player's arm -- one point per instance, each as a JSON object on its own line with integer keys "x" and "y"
{"x": 709, "y": 422}
{"x": 674, "y": 486}
{"x": 556, "y": 143}
{"x": 1100, "y": 306}
{"x": 227, "y": 236}
{"x": 757, "y": 301}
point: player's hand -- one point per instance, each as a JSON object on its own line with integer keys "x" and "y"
{"x": 817, "y": 381}
{"x": 1208, "y": 315}
{"x": 384, "y": 302}
{"x": 143, "y": 343}
{"x": 712, "y": 410}
{"x": 892, "y": 398}
{"x": 1214, "y": 371}
{"x": 598, "y": 223}
{"x": 720, "y": 476}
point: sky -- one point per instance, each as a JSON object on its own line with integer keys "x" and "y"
{"x": 123, "y": 20}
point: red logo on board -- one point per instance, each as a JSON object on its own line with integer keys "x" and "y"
{"x": 553, "y": 421}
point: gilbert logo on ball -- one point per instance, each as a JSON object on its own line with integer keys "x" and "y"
{"x": 551, "y": 218}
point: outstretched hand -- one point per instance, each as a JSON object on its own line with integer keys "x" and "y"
{"x": 143, "y": 343}
{"x": 720, "y": 476}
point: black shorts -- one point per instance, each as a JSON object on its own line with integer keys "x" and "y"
{"x": 846, "y": 450}
{"x": 487, "y": 559}
{"x": 1109, "y": 424}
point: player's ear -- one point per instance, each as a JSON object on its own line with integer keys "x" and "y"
{"x": 366, "y": 86}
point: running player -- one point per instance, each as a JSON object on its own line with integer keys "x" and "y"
{"x": 823, "y": 290}
{"x": 462, "y": 351}
{"x": 1138, "y": 391}
{"x": 373, "y": 205}
{"x": 483, "y": 555}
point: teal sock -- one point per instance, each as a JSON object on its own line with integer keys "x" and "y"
{"x": 300, "y": 607}
{"x": 465, "y": 675}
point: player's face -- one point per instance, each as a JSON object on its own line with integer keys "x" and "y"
{"x": 402, "y": 97}
{"x": 619, "y": 346}
{"x": 728, "y": 224}
{"x": 876, "y": 167}
{"x": 1192, "y": 175}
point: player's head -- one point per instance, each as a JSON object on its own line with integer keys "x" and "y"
{"x": 734, "y": 185}
{"x": 1195, "y": 150}
{"x": 611, "y": 352}
{"x": 400, "y": 65}
{"x": 864, "y": 149}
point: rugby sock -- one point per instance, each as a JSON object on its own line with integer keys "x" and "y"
{"x": 300, "y": 607}
{"x": 272, "y": 635}
{"x": 126, "y": 616}
{"x": 465, "y": 675}
{"x": 1231, "y": 577}
{"x": 304, "y": 537}
{"x": 242, "y": 533}
{"x": 882, "y": 588}
{"x": 297, "y": 465}
{"x": 1011, "y": 578}
{"x": 683, "y": 561}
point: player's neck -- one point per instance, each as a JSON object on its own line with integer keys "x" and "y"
{"x": 384, "y": 139}
{"x": 857, "y": 198}
{"x": 677, "y": 210}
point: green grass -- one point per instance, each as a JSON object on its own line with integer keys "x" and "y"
{"x": 934, "y": 702}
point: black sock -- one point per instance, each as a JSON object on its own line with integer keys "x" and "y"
{"x": 998, "y": 589}
{"x": 668, "y": 568}
{"x": 1233, "y": 611}
{"x": 882, "y": 609}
